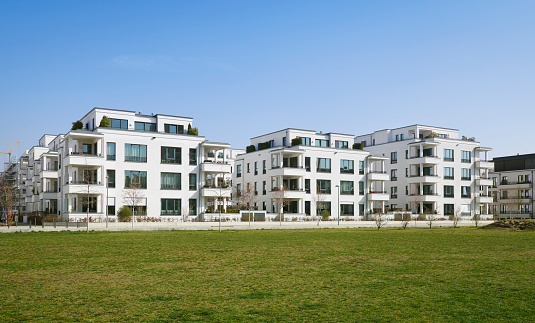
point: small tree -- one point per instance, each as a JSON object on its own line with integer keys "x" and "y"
{"x": 358, "y": 146}
{"x": 133, "y": 195}
{"x": 192, "y": 131}
{"x": 457, "y": 216}
{"x": 430, "y": 217}
{"x": 87, "y": 199}
{"x": 77, "y": 125}
{"x": 279, "y": 197}
{"x": 319, "y": 198}
{"x": 250, "y": 149}
{"x": 7, "y": 200}
{"x": 476, "y": 218}
{"x": 105, "y": 122}
{"x": 405, "y": 219}
{"x": 249, "y": 197}
{"x": 124, "y": 214}
{"x": 380, "y": 219}
{"x": 185, "y": 212}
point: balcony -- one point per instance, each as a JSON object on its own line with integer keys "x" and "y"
{"x": 424, "y": 160}
{"x": 508, "y": 185}
{"x": 378, "y": 176}
{"x": 48, "y": 195}
{"x": 483, "y": 181}
{"x": 49, "y": 174}
{"x": 81, "y": 187}
{"x": 514, "y": 200}
{"x": 77, "y": 158}
{"x": 294, "y": 194}
{"x": 218, "y": 168}
{"x": 484, "y": 164}
{"x": 216, "y": 192}
{"x": 429, "y": 197}
{"x": 378, "y": 196}
{"x": 288, "y": 171}
{"x": 516, "y": 214}
{"x": 423, "y": 179}
{"x": 482, "y": 198}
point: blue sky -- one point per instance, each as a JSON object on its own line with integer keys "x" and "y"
{"x": 245, "y": 68}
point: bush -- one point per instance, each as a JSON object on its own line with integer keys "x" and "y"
{"x": 124, "y": 214}
{"x": 77, "y": 125}
{"x": 296, "y": 141}
{"x": 105, "y": 122}
{"x": 250, "y": 149}
{"x": 192, "y": 131}
{"x": 358, "y": 145}
{"x": 263, "y": 145}
{"x": 325, "y": 214}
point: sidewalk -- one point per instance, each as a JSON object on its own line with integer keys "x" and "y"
{"x": 159, "y": 226}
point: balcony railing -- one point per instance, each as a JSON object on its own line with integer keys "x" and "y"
{"x": 110, "y": 157}
{"x": 135, "y": 159}
{"x": 346, "y": 171}
{"x": 514, "y": 183}
{"x": 376, "y": 172}
{"x": 84, "y": 153}
{"x": 83, "y": 183}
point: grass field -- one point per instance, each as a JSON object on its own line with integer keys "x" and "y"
{"x": 324, "y": 275}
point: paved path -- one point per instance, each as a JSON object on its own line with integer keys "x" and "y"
{"x": 157, "y": 226}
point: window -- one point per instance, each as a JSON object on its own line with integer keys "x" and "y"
{"x": 346, "y": 166}
{"x": 145, "y": 126}
{"x": 323, "y": 206}
{"x": 394, "y": 192}
{"x": 448, "y": 209}
{"x": 347, "y": 210}
{"x": 448, "y": 173}
{"x": 428, "y": 152}
{"x": 394, "y": 175}
{"x": 271, "y": 143}
{"x": 192, "y": 182}
{"x": 465, "y": 191}
{"x": 361, "y": 167}
{"x": 111, "y": 206}
{"x": 393, "y": 157}
{"x": 324, "y": 186}
{"x": 173, "y": 128}
{"x": 361, "y": 208}
{"x": 341, "y": 144}
{"x": 119, "y": 123}
{"x": 465, "y": 174}
{"x": 323, "y": 165}
{"x": 193, "y": 156}
{"x": 397, "y": 137}
{"x": 363, "y": 143}
{"x": 448, "y": 155}
{"x": 448, "y": 191}
{"x": 170, "y": 181}
{"x": 284, "y": 141}
{"x": 264, "y": 187}
{"x": 264, "y": 206}
{"x": 465, "y": 156}
{"x": 307, "y": 185}
{"x": 428, "y": 190}
{"x": 406, "y": 154}
{"x": 322, "y": 143}
{"x": 361, "y": 188}
{"x": 406, "y": 172}
{"x": 263, "y": 167}
{"x": 428, "y": 171}
{"x": 401, "y": 137}
{"x": 256, "y": 168}
{"x": 307, "y": 164}
{"x": 171, "y": 155}
{"x": 307, "y": 207}
{"x": 255, "y": 188}
{"x": 192, "y": 206}
{"x": 170, "y": 206}
{"x": 407, "y": 190}
{"x": 135, "y": 153}
{"x": 87, "y": 149}
{"x": 248, "y": 167}
{"x": 346, "y": 187}
{"x": 134, "y": 177}
{"x": 110, "y": 175}
{"x": 305, "y": 141}
{"x": 110, "y": 151}
{"x": 238, "y": 170}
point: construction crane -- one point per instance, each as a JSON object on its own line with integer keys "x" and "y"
{"x": 9, "y": 152}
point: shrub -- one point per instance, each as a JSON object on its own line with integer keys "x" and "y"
{"x": 105, "y": 122}
{"x": 192, "y": 131}
{"x": 325, "y": 214}
{"x": 124, "y": 214}
{"x": 263, "y": 145}
{"x": 358, "y": 145}
{"x": 296, "y": 141}
{"x": 77, "y": 125}
{"x": 250, "y": 149}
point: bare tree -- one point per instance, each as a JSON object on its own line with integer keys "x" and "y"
{"x": 380, "y": 219}
{"x": 457, "y": 216}
{"x": 430, "y": 217}
{"x": 279, "y": 197}
{"x": 6, "y": 199}
{"x": 476, "y": 218}
{"x": 185, "y": 212}
{"x": 88, "y": 201}
{"x": 133, "y": 196}
{"x": 405, "y": 219}
{"x": 319, "y": 199}
{"x": 249, "y": 197}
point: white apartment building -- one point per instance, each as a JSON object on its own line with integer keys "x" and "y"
{"x": 513, "y": 186}
{"x": 92, "y": 169}
{"x": 314, "y": 172}
{"x": 432, "y": 169}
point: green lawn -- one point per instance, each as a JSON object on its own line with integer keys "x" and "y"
{"x": 464, "y": 274}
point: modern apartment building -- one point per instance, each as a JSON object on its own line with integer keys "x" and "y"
{"x": 92, "y": 169}
{"x": 513, "y": 186}
{"x": 431, "y": 169}
{"x": 313, "y": 172}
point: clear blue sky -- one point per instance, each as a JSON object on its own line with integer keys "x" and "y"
{"x": 245, "y": 68}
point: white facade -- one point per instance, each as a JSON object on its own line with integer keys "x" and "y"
{"x": 172, "y": 171}
{"x": 431, "y": 169}
{"x": 320, "y": 171}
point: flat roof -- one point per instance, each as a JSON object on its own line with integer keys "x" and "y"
{"x": 414, "y": 125}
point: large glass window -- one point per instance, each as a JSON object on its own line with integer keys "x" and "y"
{"x": 110, "y": 151}
{"x": 119, "y": 123}
{"x": 346, "y": 166}
{"x": 465, "y": 156}
{"x": 171, "y": 206}
{"x": 341, "y": 144}
{"x": 192, "y": 206}
{"x": 238, "y": 170}
{"x": 361, "y": 167}
{"x": 135, "y": 153}
{"x": 305, "y": 141}
{"x": 173, "y": 128}
{"x": 307, "y": 185}
{"x": 393, "y": 174}
{"x": 448, "y": 173}
{"x": 346, "y": 187}
{"x": 134, "y": 177}
{"x": 465, "y": 174}
{"x": 322, "y": 143}
{"x": 448, "y": 209}
{"x": 361, "y": 188}
{"x": 323, "y": 165}
{"x": 110, "y": 174}
{"x": 448, "y": 191}
{"x": 193, "y": 156}
{"x": 393, "y": 157}
{"x": 171, "y": 155}
{"x": 324, "y": 186}
{"x": 193, "y": 182}
{"x": 465, "y": 191}
{"x": 307, "y": 164}
{"x": 145, "y": 126}
{"x": 394, "y": 192}
{"x": 170, "y": 181}
{"x": 448, "y": 155}
{"x": 347, "y": 209}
